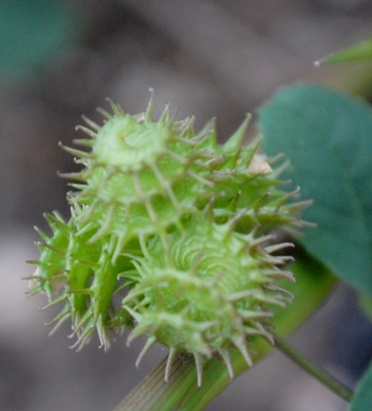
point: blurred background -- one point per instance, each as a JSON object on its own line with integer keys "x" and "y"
{"x": 222, "y": 58}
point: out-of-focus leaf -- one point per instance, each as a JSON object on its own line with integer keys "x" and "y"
{"x": 32, "y": 31}
{"x": 359, "y": 52}
{"x": 327, "y": 137}
{"x": 365, "y": 303}
{"x": 362, "y": 400}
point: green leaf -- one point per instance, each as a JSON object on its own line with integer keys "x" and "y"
{"x": 365, "y": 303}
{"x": 362, "y": 400}
{"x": 359, "y": 52}
{"x": 32, "y": 32}
{"x": 313, "y": 283}
{"x": 327, "y": 137}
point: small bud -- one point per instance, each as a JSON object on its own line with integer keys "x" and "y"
{"x": 259, "y": 165}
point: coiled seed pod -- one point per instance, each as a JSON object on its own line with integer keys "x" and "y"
{"x": 141, "y": 176}
{"x": 79, "y": 272}
{"x": 212, "y": 295}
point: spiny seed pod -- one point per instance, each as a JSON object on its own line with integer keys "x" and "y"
{"x": 78, "y": 272}
{"x": 169, "y": 235}
{"x": 141, "y": 176}
{"x": 211, "y": 295}
{"x": 245, "y": 182}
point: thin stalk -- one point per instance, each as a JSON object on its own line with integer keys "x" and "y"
{"x": 322, "y": 376}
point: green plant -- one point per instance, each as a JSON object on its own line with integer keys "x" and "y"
{"x": 177, "y": 225}
{"x": 179, "y": 228}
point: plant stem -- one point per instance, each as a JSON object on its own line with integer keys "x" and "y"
{"x": 154, "y": 394}
{"x": 322, "y": 376}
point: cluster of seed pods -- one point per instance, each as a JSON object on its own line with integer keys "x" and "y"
{"x": 170, "y": 236}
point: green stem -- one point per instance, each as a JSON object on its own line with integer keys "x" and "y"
{"x": 326, "y": 379}
{"x": 154, "y": 394}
